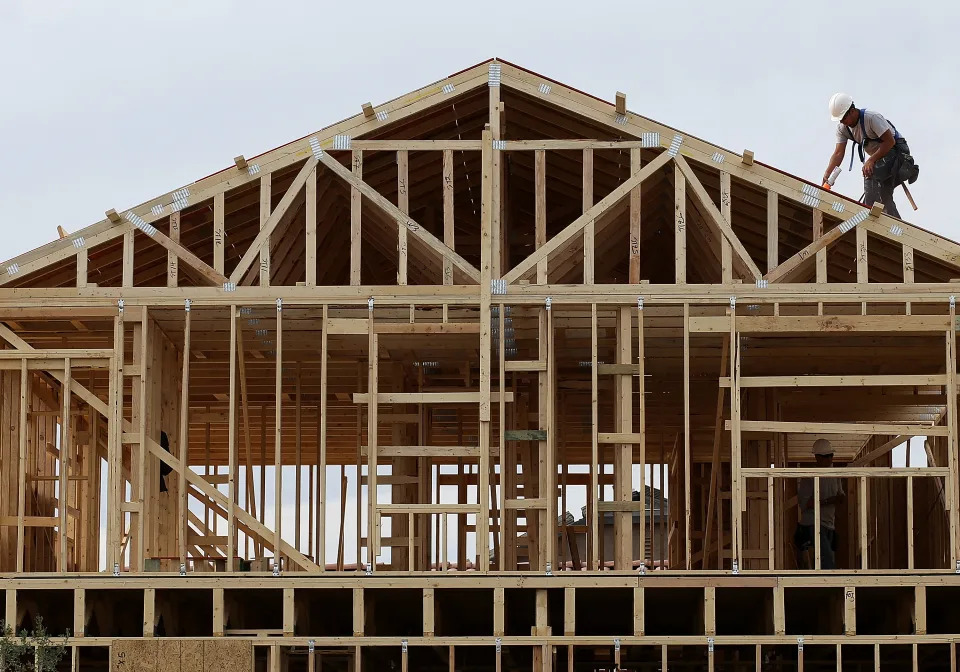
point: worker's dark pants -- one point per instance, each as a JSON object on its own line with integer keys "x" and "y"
{"x": 803, "y": 541}
{"x": 875, "y": 190}
{"x": 885, "y": 174}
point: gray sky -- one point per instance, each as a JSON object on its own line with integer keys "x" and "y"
{"x": 109, "y": 103}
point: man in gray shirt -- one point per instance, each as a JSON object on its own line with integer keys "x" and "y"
{"x": 878, "y": 138}
{"x": 831, "y": 492}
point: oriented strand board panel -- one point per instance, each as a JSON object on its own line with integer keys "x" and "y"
{"x": 228, "y": 654}
{"x": 168, "y": 655}
{"x": 191, "y": 656}
{"x": 134, "y": 655}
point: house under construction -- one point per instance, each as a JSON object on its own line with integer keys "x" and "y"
{"x": 329, "y": 408}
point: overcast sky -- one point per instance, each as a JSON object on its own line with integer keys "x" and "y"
{"x": 108, "y": 103}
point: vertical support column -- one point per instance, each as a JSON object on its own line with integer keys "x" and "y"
{"x": 219, "y": 234}
{"x": 623, "y": 462}
{"x": 82, "y": 263}
{"x": 920, "y": 609}
{"x": 232, "y": 442}
{"x": 635, "y": 213}
{"x": 779, "y": 611}
{"x": 589, "y": 232}
{"x": 373, "y": 388}
{"x": 219, "y": 617}
{"x": 289, "y": 612}
{"x": 726, "y": 209}
{"x": 549, "y": 491}
{"x": 908, "y": 275}
{"x": 127, "y": 276}
{"x": 680, "y": 225}
{"x": 173, "y": 261}
{"x": 641, "y": 389}
{"x": 277, "y": 441}
{"x": 710, "y": 610}
{"x": 540, "y": 209}
{"x": 114, "y": 447}
{"x": 497, "y": 233}
{"x": 184, "y": 439}
{"x": 298, "y": 457}
{"x": 355, "y": 201}
{"x": 311, "y": 236}
{"x": 25, "y": 397}
{"x": 773, "y": 229}
{"x": 66, "y": 450}
{"x": 862, "y": 263}
{"x": 79, "y": 611}
{"x": 358, "y": 612}
{"x": 149, "y": 610}
{"x": 403, "y": 203}
{"x": 850, "y": 610}
{"x": 141, "y": 513}
{"x": 822, "y": 252}
{"x": 735, "y": 518}
{"x": 322, "y": 476}
{"x": 569, "y": 611}
{"x": 498, "y": 612}
{"x": 593, "y": 545}
{"x": 951, "y": 368}
{"x": 489, "y": 218}
{"x": 639, "y": 612}
{"x": 429, "y": 626}
{"x": 448, "y": 228}
{"x": 266, "y": 205}
{"x": 687, "y": 457}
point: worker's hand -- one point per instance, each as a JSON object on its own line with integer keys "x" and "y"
{"x": 868, "y": 167}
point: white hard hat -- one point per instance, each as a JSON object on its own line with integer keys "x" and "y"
{"x": 839, "y": 104}
{"x": 822, "y": 447}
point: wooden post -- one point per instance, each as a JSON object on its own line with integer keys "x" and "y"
{"x": 219, "y": 234}
{"x": 289, "y": 612}
{"x": 680, "y": 226}
{"x": 311, "y": 235}
{"x": 322, "y": 440}
{"x": 219, "y": 616}
{"x": 540, "y": 209}
{"x": 773, "y": 229}
{"x": 726, "y": 209}
{"x": 149, "y": 611}
{"x": 589, "y": 233}
{"x": 266, "y": 205}
{"x": 184, "y": 438}
{"x": 232, "y": 444}
{"x": 850, "y": 610}
{"x": 173, "y": 265}
{"x": 448, "y": 217}
{"x": 403, "y": 203}
{"x": 635, "y": 197}
{"x": 277, "y": 440}
{"x": 687, "y": 457}
{"x": 355, "y": 202}
{"x": 66, "y": 450}
{"x": 428, "y": 612}
{"x": 358, "y": 612}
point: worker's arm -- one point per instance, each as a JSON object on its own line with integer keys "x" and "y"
{"x": 835, "y": 159}
{"x": 887, "y": 141}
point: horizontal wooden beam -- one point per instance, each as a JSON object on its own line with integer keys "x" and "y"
{"x": 821, "y": 323}
{"x": 632, "y": 438}
{"x": 836, "y": 381}
{"x": 428, "y": 397}
{"x": 858, "y": 428}
{"x": 844, "y": 472}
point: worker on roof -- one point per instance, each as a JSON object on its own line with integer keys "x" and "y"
{"x": 888, "y": 163}
{"x": 831, "y": 492}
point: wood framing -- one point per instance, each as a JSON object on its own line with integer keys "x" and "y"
{"x": 519, "y": 355}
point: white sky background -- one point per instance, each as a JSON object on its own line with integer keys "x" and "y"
{"x": 108, "y": 103}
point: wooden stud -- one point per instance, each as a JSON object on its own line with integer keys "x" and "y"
{"x": 266, "y": 206}
{"x": 403, "y": 203}
{"x": 850, "y": 610}
{"x": 680, "y": 226}
{"x": 540, "y": 209}
{"x": 747, "y": 157}
{"x": 726, "y": 211}
{"x": 149, "y": 611}
{"x": 311, "y": 234}
{"x": 635, "y": 217}
{"x": 589, "y": 231}
{"x": 277, "y": 439}
{"x": 773, "y": 230}
{"x": 219, "y": 233}
{"x": 621, "y": 105}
